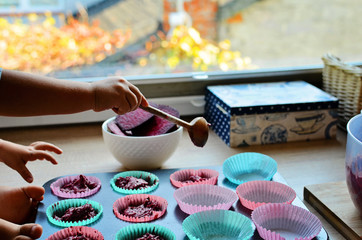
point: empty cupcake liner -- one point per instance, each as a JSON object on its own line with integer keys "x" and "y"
{"x": 179, "y": 178}
{"x": 256, "y": 193}
{"x": 201, "y": 197}
{"x": 279, "y": 221}
{"x": 249, "y": 166}
{"x": 218, "y": 224}
{"x": 136, "y": 200}
{"x": 55, "y": 187}
{"x": 151, "y": 178}
{"x": 137, "y": 230}
{"x": 63, "y": 205}
{"x": 76, "y": 231}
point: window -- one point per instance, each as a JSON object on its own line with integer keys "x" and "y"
{"x": 174, "y": 48}
{"x": 10, "y": 3}
{"x": 43, "y": 2}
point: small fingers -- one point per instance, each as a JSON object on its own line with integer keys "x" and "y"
{"x": 144, "y": 102}
{"x": 25, "y": 173}
{"x": 46, "y": 147}
{"x": 29, "y": 231}
{"x": 139, "y": 97}
{"x": 116, "y": 110}
{"x": 132, "y": 102}
{"x": 41, "y": 155}
{"x": 125, "y": 107}
{"x": 34, "y": 192}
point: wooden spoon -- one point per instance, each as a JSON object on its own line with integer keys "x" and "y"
{"x": 198, "y": 128}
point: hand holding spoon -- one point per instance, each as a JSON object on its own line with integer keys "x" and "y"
{"x": 198, "y": 128}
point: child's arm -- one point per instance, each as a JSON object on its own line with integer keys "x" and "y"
{"x": 16, "y": 156}
{"x": 25, "y": 94}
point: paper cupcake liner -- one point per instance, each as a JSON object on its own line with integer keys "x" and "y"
{"x": 63, "y": 205}
{"x": 55, "y": 187}
{"x": 136, "y": 200}
{"x": 218, "y": 224}
{"x": 256, "y": 193}
{"x": 178, "y": 178}
{"x": 137, "y": 230}
{"x": 151, "y": 178}
{"x": 249, "y": 166}
{"x": 74, "y": 231}
{"x": 201, "y": 197}
{"x": 295, "y": 222}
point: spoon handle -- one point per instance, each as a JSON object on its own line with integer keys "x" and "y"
{"x": 166, "y": 116}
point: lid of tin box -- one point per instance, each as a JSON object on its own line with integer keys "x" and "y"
{"x": 273, "y": 97}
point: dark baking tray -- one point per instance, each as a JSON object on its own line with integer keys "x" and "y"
{"x": 109, "y": 225}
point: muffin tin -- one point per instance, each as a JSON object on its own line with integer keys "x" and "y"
{"x": 109, "y": 225}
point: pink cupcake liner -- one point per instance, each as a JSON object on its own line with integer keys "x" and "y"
{"x": 74, "y": 231}
{"x": 55, "y": 187}
{"x": 136, "y": 200}
{"x": 201, "y": 197}
{"x": 256, "y": 193}
{"x": 178, "y": 178}
{"x": 279, "y": 221}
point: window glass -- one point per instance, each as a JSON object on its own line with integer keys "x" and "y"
{"x": 98, "y": 38}
{"x": 9, "y": 3}
{"x": 44, "y": 2}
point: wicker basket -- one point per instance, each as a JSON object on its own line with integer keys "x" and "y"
{"x": 343, "y": 81}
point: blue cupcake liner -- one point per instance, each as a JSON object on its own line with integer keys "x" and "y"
{"x": 137, "y": 230}
{"x": 249, "y": 166}
{"x": 147, "y": 176}
{"x": 218, "y": 224}
{"x": 63, "y": 205}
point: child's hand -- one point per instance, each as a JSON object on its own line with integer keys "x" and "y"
{"x": 117, "y": 94}
{"x": 16, "y": 156}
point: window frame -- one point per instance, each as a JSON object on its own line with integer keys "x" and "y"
{"x": 195, "y": 83}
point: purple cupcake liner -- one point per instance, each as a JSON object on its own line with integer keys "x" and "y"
{"x": 280, "y": 221}
{"x": 56, "y": 187}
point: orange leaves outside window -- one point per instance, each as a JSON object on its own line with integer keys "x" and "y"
{"x": 184, "y": 46}
{"x": 40, "y": 46}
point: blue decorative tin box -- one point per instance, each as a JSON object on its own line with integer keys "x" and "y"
{"x": 263, "y": 113}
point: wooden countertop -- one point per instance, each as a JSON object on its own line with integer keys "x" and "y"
{"x": 300, "y": 163}
{"x": 333, "y": 202}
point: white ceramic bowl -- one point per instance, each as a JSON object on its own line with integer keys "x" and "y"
{"x": 141, "y": 153}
